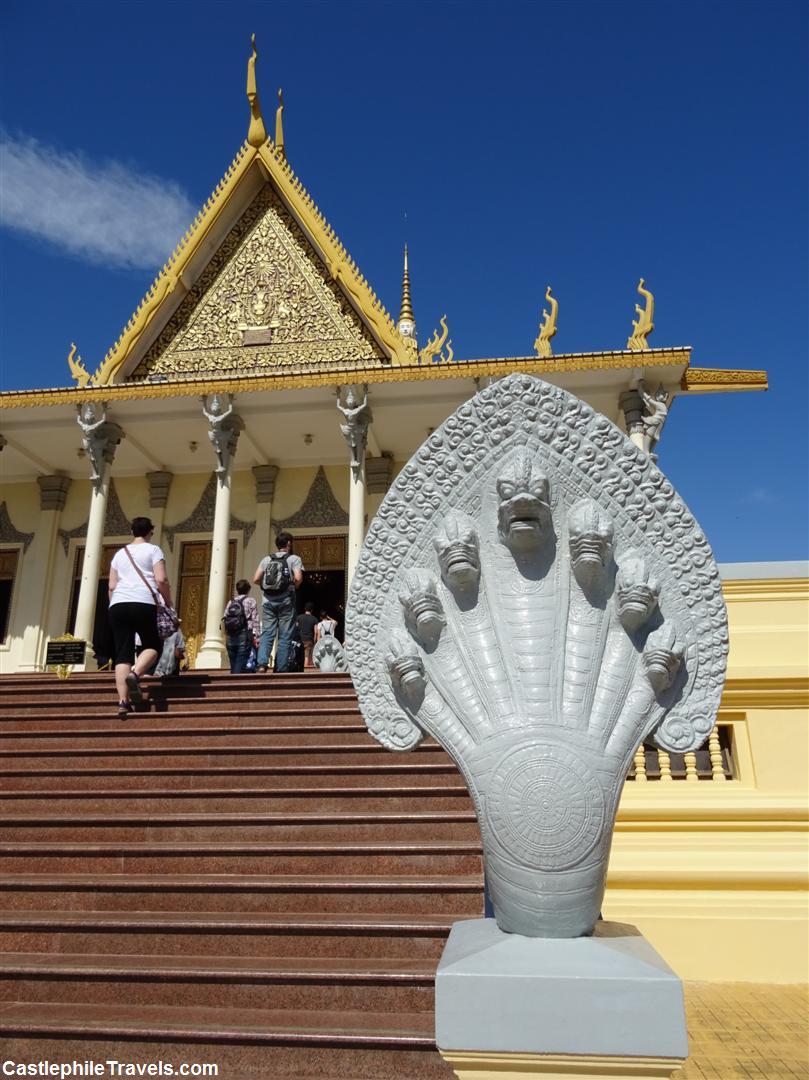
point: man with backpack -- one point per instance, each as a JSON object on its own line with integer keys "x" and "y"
{"x": 240, "y": 621}
{"x": 278, "y": 576}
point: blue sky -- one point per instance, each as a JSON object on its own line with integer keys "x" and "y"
{"x": 582, "y": 144}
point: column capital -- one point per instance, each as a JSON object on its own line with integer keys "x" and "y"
{"x": 100, "y": 438}
{"x": 159, "y": 484}
{"x": 356, "y": 418}
{"x": 224, "y": 428}
{"x": 265, "y": 477}
{"x": 631, "y": 405}
{"x": 379, "y": 473}
{"x": 53, "y": 491}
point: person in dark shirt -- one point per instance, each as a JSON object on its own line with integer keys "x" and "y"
{"x": 306, "y": 623}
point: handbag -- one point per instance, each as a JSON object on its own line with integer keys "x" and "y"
{"x": 167, "y": 618}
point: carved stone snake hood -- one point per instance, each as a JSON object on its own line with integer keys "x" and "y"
{"x": 535, "y": 595}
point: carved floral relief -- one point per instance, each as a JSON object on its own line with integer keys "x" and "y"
{"x": 264, "y": 300}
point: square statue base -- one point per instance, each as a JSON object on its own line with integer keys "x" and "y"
{"x": 512, "y": 1006}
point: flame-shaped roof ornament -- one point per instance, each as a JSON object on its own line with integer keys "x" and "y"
{"x": 257, "y": 133}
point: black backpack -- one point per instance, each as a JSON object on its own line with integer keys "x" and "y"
{"x": 235, "y": 619}
{"x": 277, "y": 578}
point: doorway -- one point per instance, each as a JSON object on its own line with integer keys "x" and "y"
{"x": 192, "y": 591}
{"x": 324, "y": 576}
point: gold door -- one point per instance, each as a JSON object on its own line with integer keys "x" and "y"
{"x": 192, "y": 591}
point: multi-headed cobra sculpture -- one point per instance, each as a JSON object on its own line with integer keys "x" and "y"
{"x": 534, "y": 594}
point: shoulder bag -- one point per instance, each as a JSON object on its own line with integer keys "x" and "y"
{"x": 167, "y": 618}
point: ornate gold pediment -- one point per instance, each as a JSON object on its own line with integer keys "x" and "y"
{"x": 264, "y": 301}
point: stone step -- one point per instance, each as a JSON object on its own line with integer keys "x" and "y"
{"x": 187, "y": 754}
{"x": 389, "y": 797}
{"x": 232, "y": 687}
{"x": 100, "y": 704}
{"x": 310, "y": 826}
{"x": 191, "y": 721}
{"x": 100, "y": 777}
{"x": 459, "y": 895}
{"x": 282, "y": 857}
{"x": 247, "y": 982}
{"x": 82, "y": 683}
{"x": 152, "y": 734}
{"x": 245, "y": 1044}
{"x": 232, "y": 933}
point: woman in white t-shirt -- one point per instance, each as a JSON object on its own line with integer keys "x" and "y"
{"x": 137, "y": 574}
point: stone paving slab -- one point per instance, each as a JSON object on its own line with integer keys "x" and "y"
{"x": 747, "y": 1031}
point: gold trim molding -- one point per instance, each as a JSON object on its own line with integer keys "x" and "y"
{"x": 716, "y": 380}
{"x": 332, "y": 374}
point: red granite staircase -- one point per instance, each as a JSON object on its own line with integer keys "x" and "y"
{"x": 239, "y": 876}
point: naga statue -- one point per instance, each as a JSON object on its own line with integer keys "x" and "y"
{"x": 533, "y": 594}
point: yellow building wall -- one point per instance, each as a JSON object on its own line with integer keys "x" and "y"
{"x": 716, "y": 874}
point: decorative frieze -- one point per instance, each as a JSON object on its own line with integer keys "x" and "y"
{"x": 10, "y": 535}
{"x": 320, "y": 508}
{"x": 264, "y": 284}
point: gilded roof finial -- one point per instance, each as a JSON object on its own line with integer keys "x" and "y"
{"x": 279, "y": 125}
{"x": 542, "y": 345}
{"x": 643, "y": 325}
{"x": 407, "y": 320}
{"x": 77, "y": 369}
{"x": 257, "y": 134}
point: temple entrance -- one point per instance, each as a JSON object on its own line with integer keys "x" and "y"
{"x": 192, "y": 591}
{"x": 324, "y": 578}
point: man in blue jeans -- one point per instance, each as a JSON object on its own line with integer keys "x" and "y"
{"x": 278, "y": 576}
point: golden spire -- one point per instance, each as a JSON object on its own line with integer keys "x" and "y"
{"x": 257, "y": 133}
{"x": 407, "y": 320}
{"x": 547, "y": 330}
{"x": 279, "y": 125}
{"x": 643, "y": 325}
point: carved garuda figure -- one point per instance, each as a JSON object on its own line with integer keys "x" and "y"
{"x": 534, "y": 594}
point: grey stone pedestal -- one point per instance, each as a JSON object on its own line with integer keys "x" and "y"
{"x": 600, "y": 999}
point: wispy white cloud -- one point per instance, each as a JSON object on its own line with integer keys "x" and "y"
{"x": 760, "y": 496}
{"x": 100, "y": 212}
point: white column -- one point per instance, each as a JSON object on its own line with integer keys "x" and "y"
{"x": 212, "y": 651}
{"x": 356, "y": 515}
{"x": 88, "y": 589}
{"x": 356, "y": 418}
{"x": 223, "y": 433}
{"x": 38, "y": 568}
{"x": 100, "y": 439}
